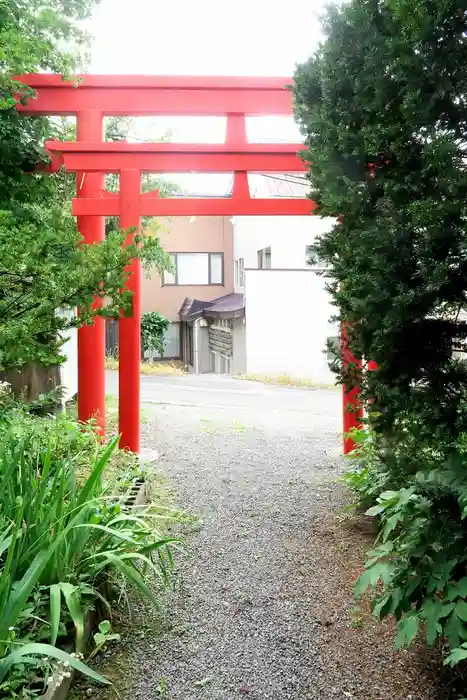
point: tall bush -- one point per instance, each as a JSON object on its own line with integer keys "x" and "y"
{"x": 43, "y": 267}
{"x": 382, "y": 106}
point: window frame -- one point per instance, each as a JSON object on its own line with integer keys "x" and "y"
{"x": 240, "y": 272}
{"x": 264, "y": 255}
{"x": 209, "y": 283}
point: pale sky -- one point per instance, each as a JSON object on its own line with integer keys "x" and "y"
{"x": 205, "y": 37}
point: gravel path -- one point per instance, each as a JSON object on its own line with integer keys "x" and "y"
{"x": 259, "y": 482}
{"x": 265, "y": 606}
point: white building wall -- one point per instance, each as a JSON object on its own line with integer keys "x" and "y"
{"x": 287, "y": 236}
{"x": 287, "y": 324}
{"x": 239, "y": 346}
{"x": 69, "y": 369}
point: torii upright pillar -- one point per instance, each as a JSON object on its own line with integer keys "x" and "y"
{"x": 91, "y": 338}
{"x": 129, "y": 344}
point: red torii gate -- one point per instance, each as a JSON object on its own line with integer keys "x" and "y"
{"x": 90, "y": 98}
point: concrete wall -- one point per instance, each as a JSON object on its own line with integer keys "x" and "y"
{"x": 180, "y": 235}
{"x": 239, "y": 347}
{"x": 287, "y": 323}
{"x": 69, "y": 369}
{"x": 288, "y": 237}
{"x": 202, "y": 348}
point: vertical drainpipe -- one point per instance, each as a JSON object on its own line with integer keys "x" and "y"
{"x": 196, "y": 328}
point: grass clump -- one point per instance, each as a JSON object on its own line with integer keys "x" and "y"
{"x": 69, "y": 543}
{"x": 285, "y": 380}
{"x": 169, "y": 368}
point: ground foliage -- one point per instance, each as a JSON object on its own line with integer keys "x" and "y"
{"x": 70, "y": 542}
{"x": 382, "y": 106}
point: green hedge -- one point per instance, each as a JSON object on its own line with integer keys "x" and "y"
{"x": 382, "y": 106}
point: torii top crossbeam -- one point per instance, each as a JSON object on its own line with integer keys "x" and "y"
{"x": 147, "y": 95}
{"x": 91, "y": 98}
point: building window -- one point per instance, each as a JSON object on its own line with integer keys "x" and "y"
{"x": 240, "y": 272}
{"x": 196, "y": 269}
{"x": 264, "y": 258}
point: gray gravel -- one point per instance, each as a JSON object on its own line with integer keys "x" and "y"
{"x": 259, "y": 479}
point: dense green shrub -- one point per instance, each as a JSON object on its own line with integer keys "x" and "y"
{"x": 418, "y": 492}
{"x": 382, "y": 106}
{"x": 67, "y": 540}
{"x": 153, "y": 329}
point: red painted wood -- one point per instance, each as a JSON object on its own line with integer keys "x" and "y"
{"x": 236, "y": 135}
{"x": 181, "y": 158}
{"x": 168, "y": 147}
{"x": 184, "y": 162}
{"x": 165, "y": 95}
{"x": 352, "y": 409}
{"x": 160, "y": 82}
{"x": 91, "y": 339}
{"x": 181, "y": 206}
{"x": 372, "y": 367}
{"x": 130, "y": 328}
{"x": 236, "y": 129}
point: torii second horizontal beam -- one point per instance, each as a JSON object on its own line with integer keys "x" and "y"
{"x": 107, "y": 157}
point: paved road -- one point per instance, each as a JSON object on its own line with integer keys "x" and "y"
{"x": 224, "y": 393}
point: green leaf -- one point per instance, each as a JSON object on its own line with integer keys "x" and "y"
{"x": 379, "y": 571}
{"x": 432, "y": 612}
{"x": 456, "y": 656}
{"x": 133, "y": 576}
{"x": 21, "y": 656}
{"x": 390, "y": 524}
{"x": 104, "y": 627}
{"x": 453, "y": 630}
{"x": 96, "y": 473}
{"x": 381, "y": 607}
{"x": 461, "y": 610}
{"x": 70, "y": 593}
{"x": 462, "y": 587}
{"x": 433, "y": 629}
{"x": 407, "y": 630}
{"x": 22, "y": 591}
{"x": 375, "y": 510}
{"x": 392, "y": 496}
{"x": 55, "y": 601}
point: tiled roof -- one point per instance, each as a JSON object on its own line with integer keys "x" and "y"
{"x": 228, "y": 306}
